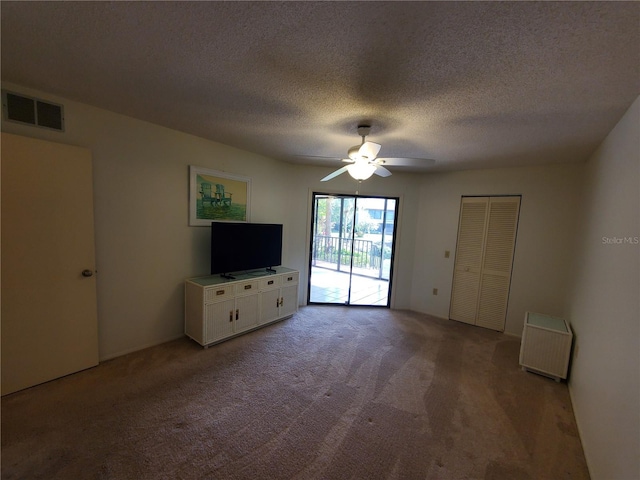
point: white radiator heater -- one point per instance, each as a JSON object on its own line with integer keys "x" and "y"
{"x": 546, "y": 345}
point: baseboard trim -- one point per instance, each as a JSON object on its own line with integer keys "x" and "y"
{"x": 138, "y": 348}
{"x": 423, "y": 313}
{"x": 515, "y": 335}
{"x": 577, "y": 418}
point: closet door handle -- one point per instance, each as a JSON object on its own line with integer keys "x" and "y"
{"x": 231, "y": 315}
{"x": 237, "y": 313}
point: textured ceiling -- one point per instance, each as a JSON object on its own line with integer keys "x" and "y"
{"x": 469, "y": 84}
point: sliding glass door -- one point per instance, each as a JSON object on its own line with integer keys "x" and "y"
{"x": 352, "y": 249}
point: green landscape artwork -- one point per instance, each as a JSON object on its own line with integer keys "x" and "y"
{"x": 220, "y": 198}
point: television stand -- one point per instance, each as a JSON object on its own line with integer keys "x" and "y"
{"x": 227, "y": 276}
{"x": 271, "y": 270}
{"x": 217, "y": 309}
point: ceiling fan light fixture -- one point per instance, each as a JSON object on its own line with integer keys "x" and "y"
{"x": 364, "y": 159}
{"x": 361, "y": 170}
{"x": 353, "y": 152}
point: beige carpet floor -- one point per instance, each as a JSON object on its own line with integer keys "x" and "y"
{"x": 331, "y": 393}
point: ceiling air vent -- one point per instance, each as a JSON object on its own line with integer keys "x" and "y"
{"x": 32, "y": 111}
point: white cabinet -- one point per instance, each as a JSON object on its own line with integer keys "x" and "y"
{"x": 546, "y": 345}
{"x": 289, "y": 300}
{"x": 246, "y": 312}
{"x": 218, "y": 321}
{"x": 278, "y": 297}
{"x": 217, "y": 309}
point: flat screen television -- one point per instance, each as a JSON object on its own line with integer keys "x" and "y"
{"x": 237, "y": 247}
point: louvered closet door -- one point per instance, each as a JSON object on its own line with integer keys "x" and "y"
{"x": 484, "y": 255}
{"x": 466, "y": 279}
{"x": 496, "y": 266}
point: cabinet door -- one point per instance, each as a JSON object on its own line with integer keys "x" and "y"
{"x": 289, "y": 300}
{"x": 246, "y": 313}
{"x": 269, "y": 305}
{"x": 218, "y": 319}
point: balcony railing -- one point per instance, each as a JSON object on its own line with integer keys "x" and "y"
{"x": 335, "y": 252}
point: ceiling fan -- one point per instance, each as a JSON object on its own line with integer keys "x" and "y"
{"x": 364, "y": 160}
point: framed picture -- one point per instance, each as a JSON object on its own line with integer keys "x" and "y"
{"x": 218, "y": 196}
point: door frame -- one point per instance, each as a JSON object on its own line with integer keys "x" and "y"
{"x": 310, "y": 231}
{"x": 515, "y": 244}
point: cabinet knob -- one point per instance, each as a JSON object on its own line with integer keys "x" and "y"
{"x": 87, "y": 273}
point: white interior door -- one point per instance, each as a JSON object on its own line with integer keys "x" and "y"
{"x": 49, "y": 308}
{"x": 484, "y": 255}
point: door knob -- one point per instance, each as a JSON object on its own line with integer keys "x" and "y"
{"x": 87, "y": 273}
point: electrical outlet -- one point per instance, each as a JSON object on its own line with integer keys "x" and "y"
{"x": 435, "y": 291}
{"x": 447, "y": 254}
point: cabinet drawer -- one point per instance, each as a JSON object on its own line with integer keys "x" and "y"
{"x": 218, "y": 292}
{"x": 290, "y": 278}
{"x": 270, "y": 282}
{"x": 247, "y": 288}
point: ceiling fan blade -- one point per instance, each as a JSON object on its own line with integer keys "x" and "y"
{"x": 316, "y": 157}
{"x": 381, "y": 171}
{"x": 369, "y": 150}
{"x": 407, "y": 162}
{"x": 340, "y": 171}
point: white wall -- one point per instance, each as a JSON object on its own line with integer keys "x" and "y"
{"x": 544, "y": 243}
{"x": 144, "y": 245}
{"x": 604, "y": 306}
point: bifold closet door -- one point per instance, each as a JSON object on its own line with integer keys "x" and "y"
{"x": 484, "y": 255}
{"x": 466, "y": 275}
